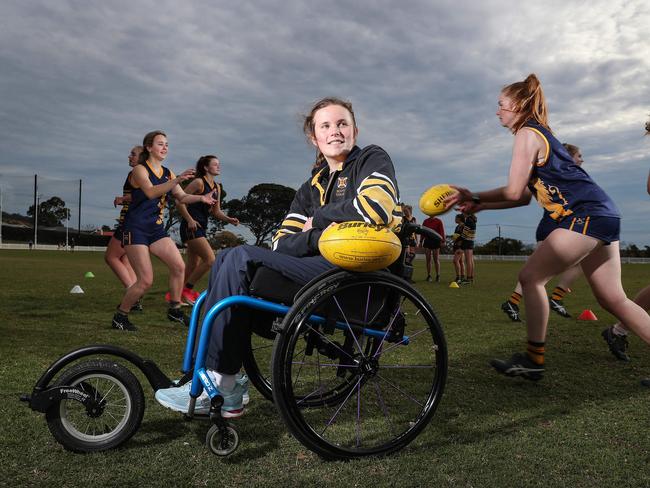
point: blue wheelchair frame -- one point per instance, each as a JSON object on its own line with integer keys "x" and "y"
{"x": 200, "y": 378}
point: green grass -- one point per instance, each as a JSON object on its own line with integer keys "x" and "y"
{"x": 585, "y": 424}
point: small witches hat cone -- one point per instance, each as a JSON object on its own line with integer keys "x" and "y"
{"x": 453, "y": 284}
{"x": 587, "y": 315}
{"x": 89, "y": 274}
{"x": 76, "y": 289}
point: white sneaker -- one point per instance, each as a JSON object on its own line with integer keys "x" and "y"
{"x": 242, "y": 379}
{"x": 177, "y": 398}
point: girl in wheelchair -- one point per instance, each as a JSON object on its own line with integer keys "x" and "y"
{"x": 347, "y": 183}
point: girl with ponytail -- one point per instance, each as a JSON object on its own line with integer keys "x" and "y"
{"x": 194, "y": 225}
{"x": 587, "y": 223}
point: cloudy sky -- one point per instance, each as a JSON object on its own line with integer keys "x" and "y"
{"x": 83, "y": 81}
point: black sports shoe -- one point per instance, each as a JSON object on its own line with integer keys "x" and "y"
{"x": 137, "y": 307}
{"x": 645, "y": 382}
{"x": 558, "y": 307}
{"x": 177, "y": 315}
{"x": 121, "y": 322}
{"x": 519, "y": 365}
{"x": 617, "y": 343}
{"x": 511, "y": 310}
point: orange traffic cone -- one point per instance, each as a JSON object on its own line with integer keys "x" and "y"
{"x": 587, "y": 315}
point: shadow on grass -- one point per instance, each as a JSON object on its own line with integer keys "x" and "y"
{"x": 573, "y": 382}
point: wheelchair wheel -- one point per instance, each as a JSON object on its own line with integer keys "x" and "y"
{"x": 111, "y": 417}
{"x": 257, "y": 363}
{"x": 345, "y": 393}
{"x": 222, "y": 441}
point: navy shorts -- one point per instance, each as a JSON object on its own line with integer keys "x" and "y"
{"x": 146, "y": 237}
{"x": 544, "y": 228}
{"x": 431, "y": 243}
{"x": 188, "y": 235}
{"x": 606, "y": 229}
{"x": 466, "y": 245}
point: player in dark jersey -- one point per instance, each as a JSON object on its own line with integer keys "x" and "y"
{"x": 588, "y": 223}
{"x": 459, "y": 254}
{"x": 565, "y": 280}
{"x": 468, "y": 236}
{"x": 431, "y": 247}
{"x": 115, "y": 255}
{"x": 616, "y": 335}
{"x": 346, "y": 184}
{"x": 194, "y": 225}
{"x": 143, "y": 231}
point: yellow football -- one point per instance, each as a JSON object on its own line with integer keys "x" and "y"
{"x": 432, "y": 201}
{"x": 357, "y": 246}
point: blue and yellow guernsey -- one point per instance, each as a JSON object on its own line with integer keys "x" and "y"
{"x": 363, "y": 188}
{"x": 561, "y": 187}
{"x": 144, "y": 214}
{"x": 201, "y": 211}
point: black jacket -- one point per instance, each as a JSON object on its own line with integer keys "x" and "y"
{"x": 362, "y": 189}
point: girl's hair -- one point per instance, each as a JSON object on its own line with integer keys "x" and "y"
{"x": 407, "y": 209}
{"x": 202, "y": 165}
{"x": 308, "y": 121}
{"x": 573, "y": 150}
{"x": 460, "y": 217}
{"x": 148, "y": 141}
{"x": 528, "y": 101}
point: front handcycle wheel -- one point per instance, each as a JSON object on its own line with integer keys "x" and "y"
{"x": 110, "y": 414}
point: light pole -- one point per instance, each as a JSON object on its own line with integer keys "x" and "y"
{"x": 499, "y": 229}
{"x": 38, "y": 200}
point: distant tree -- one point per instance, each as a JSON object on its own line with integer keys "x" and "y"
{"x": 263, "y": 209}
{"x": 106, "y": 228}
{"x": 509, "y": 247}
{"x": 223, "y": 239}
{"x": 51, "y": 213}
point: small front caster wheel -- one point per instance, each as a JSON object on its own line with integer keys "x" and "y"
{"x": 222, "y": 441}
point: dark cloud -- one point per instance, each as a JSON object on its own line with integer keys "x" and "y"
{"x": 84, "y": 81}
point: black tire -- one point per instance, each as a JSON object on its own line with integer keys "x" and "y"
{"x": 257, "y": 363}
{"x": 118, "y": 414}
{"x": 374, "y": 395}
{"x": 222, "y": 441}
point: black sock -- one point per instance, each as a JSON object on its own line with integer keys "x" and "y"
{"x": 189, "y": 286}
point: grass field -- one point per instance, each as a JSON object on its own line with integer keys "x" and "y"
{"x": 585, "y": 424}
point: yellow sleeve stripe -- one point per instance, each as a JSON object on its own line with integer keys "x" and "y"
{"x": 381, "y": 197}
{"x": 380, "y": 183}
{"x": 369, "y": 212}
{"x": 293, "y": 223}
{"x": 548, "y": 146}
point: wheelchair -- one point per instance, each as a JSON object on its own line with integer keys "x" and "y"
{"x": 356, "y": 364}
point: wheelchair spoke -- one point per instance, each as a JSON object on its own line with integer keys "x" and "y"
{"x": 348, "y": 324}
{"x": 358, "y": 422}
{"x": 411, "y": 337}
{"x": 365, "y": 315}
{"x": 336, "y": 346}
{"x": 407, "y": 395}
{"x": 324, "y": 365}
{"x": 331, "y": 420}
{"x": 388, "y": 329}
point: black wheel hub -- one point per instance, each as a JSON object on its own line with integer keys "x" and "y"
{"x": 368, "y": 366}
{"x": 95, "y": 409}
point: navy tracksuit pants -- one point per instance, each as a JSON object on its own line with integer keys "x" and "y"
{"x": 228, "y": 277}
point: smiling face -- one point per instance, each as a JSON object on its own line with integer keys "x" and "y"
{"x": 507, "y": 116}
{"x": 334, "y": 132}
{"x": 159, "y": 147}
{"x": 214, "y": 167}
